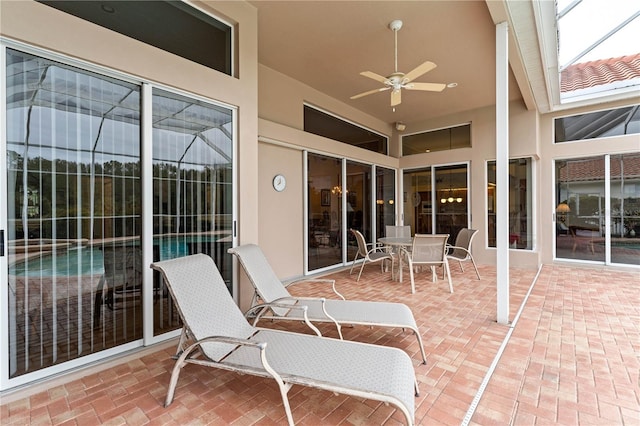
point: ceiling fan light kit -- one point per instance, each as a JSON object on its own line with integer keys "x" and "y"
{"x": 399, "y": 80}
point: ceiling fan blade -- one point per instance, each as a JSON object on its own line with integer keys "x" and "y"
{"x": 370, "y": 92}
{"x": 374, "y": 76}
{"x": 396, "y": 98}
{"x": 419, "y": 70}
{"x": 432, "y": 87}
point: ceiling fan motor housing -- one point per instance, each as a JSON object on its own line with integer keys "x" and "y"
{"x": 395, "y": 25}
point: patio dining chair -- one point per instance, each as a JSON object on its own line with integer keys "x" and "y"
{"x": 429, "y": 250}
{"x": 461, "y": 251}
{"x": 216, "y": 334}
{"x": 268, "y": 289}
{"x": 375, "y": 254}
{"x": 397, "y": 231}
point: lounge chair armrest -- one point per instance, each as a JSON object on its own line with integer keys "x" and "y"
{"x": 230, "y": 340}
{"x": 263, "y": 307}
{"x": 262, "y": 346}
{"x": 318, "y": 280}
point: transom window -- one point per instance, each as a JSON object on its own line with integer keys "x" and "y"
{"x": 173, "y": 26}
{"x": 601, "y": 124}
{"x": 437, "y": 140}
{"x": 323, "y": 124}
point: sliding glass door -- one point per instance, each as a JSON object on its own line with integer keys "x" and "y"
{"x": 192, "y": 189}
{"x": 625, "y": 209}
{"x": 75, "y": 182}
{"x": 598, "y": 213}
{"x": 324, "y": 203}
{"x": 74, "y": 213}
{"x": 339, "y": 198}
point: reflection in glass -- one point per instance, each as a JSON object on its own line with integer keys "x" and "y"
{"x": 358, "y": 203}
{"x": 520, "y": 204}
{"x": 73, "y": 162}
{"x": 580, "y": 225}
{"x": 385, "y": 199}
{"x": 418, "y": 209}
{"x": 437, "y": 140}
{"x": 325, "y": 211}
{"x": 451, "y": 204}
{"x": 192, "y": 187}
{"x": 600, "y": 124}
{"x": 625, "y": 209}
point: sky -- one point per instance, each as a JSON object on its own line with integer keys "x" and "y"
{"x": 592, "y": 19}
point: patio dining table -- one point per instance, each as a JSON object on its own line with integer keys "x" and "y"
{"x": 398, "y": 243}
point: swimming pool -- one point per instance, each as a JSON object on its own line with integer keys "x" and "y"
{"x": 78, "y": 261}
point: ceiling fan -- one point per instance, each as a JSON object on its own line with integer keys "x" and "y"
{"x": 398, "y": 80}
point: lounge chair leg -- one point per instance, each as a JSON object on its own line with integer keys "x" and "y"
{"x": 424, "y": 354}
{"x": 176, "y": 373}
{"x": 285, "y": 401}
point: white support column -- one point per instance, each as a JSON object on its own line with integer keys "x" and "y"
{"x": 502, "y": 171}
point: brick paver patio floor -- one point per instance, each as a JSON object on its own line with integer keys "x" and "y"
{"x": 572, "y": 358}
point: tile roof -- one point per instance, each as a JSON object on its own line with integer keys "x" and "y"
{"x": 592, "y": 169}
{"x": 597, "y": 73}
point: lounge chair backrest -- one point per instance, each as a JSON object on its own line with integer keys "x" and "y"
{"x": 204, "y": 302}
{"x": 464, "y": 239}
{"x": 264, "y": 279}
{"x": 429, "y": 248}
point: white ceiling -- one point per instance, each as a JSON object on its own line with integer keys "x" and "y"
{"x": 326, "y": 44}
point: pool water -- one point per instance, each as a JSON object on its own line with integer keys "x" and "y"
{"x": 72, "y": 262}
{"x": 79, "y": 261}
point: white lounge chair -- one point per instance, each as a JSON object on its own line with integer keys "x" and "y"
{"x": 222, "y": 338}
{"x": 269, "y": 289}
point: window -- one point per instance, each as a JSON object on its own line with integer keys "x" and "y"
{"x": 173, "y": 26}
{"x": 437, "y": 140}
{"x": 437, "y": 200}
{"x": 520, "y": 204}
{"x": 615, "y": 122}
{"x": 327, "y": 125}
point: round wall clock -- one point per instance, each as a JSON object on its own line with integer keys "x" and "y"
{"x": 279, "y": 183}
